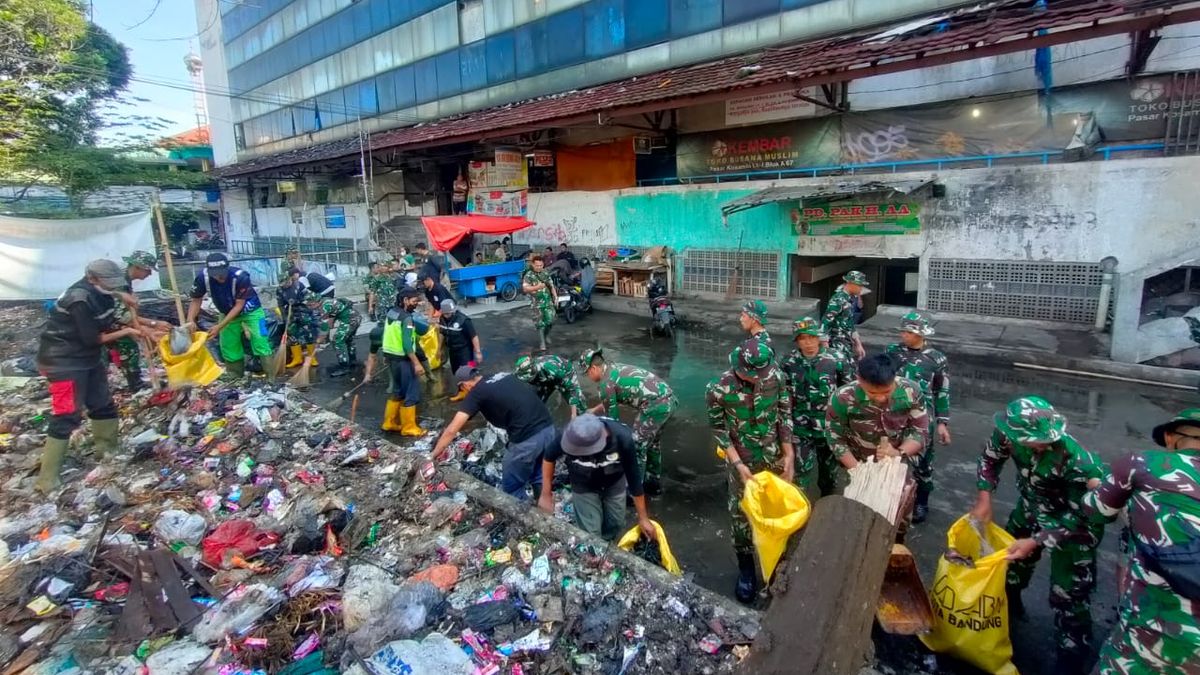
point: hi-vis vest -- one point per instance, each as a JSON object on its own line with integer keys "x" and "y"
{"x": 398, "y": 326}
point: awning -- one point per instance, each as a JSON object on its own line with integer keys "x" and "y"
{"x": 826, "y": 193}
{"x": 446, "y": 231}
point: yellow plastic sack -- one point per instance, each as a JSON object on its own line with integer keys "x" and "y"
{"x": 431, "y": 344}
{"x": 970, "y": 608}
{"x": 630, "y": 539}
{"x": 776, "y": 509}
{"x": 195, "y": 366}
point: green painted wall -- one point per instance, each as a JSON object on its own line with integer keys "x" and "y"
{"x": 691, "y": 219}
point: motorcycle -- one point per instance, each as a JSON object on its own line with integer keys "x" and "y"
{"x": 662, "y": 312}
{"x": 571, "y": 301}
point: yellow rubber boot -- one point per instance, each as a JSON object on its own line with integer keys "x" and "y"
{"x": 297, "y": 356}
{"x": 391, "y": 416}
{"x": 312, "y": 349}
{"x": 53, "y": 453}
{"x": 408, "y": 421}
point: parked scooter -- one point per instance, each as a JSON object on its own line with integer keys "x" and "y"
{"x": 662, "y": 311}
{"x": 571, "y": 301}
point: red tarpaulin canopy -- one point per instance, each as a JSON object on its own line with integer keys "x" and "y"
{"x": 446, "y": 231}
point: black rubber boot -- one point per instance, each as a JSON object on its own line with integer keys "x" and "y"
{"x": 747, "y": 583}
{"x": 1016, "y": 606}
{"x": 921, "y": 509}
{"x": 653, "y": 487}
{"x": 134, "y": 380}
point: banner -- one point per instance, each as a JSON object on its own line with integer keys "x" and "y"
{"x": 40, "y": 258}
{"x": 498, "y": 202}
{"x": 766, "y": 147}
{"x": 1127, "y": 110}
{"x": 855, "y": 219}
{"x": 776, "y": 105}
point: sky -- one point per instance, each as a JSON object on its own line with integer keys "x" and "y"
{"x": 167, "y": 32}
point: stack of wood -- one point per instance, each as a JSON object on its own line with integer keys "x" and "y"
{"x": 604, "y": 277}
{"x": 879, "y": 483}
{"x": 632, "y": 288}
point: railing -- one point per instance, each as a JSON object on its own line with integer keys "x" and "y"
{"x": 1042, "y": 157}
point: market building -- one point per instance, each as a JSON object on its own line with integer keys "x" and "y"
{"x": 1014, "y": 159}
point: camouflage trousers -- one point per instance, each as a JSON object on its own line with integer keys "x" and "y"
{"x": 647, "y": 433}
{"x": 303, "y": 329}
{"x": 342, "y": 339}
{"x": 845, "y": 345}
{"x": 922, "y": 464}
{"x": 544, "y": 311}
{"x": 743, "y": 542}
{"x": 1072, "y": 580}
{"x": 130, "y": 355}
{"x": 816, "y": 469}
{"x": 1154, "y": 634}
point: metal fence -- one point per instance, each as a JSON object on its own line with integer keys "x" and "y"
{"x": 1048, "y": 291}
{"x": 340, "y": 251}
{"x": 710, "y": 272}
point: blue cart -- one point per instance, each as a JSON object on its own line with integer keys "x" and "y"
{"x": 501, "y": 279}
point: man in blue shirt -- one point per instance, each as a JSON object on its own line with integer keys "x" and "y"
{"x": 241, "y": 312}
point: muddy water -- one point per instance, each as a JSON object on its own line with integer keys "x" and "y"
{"x": 1107, "y": 417}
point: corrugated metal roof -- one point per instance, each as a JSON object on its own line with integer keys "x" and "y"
{"x": 841, "y": 56}
{"x": 843, "y": 190}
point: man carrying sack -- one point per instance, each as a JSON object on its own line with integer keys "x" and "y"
{"x": 241, "y": 312}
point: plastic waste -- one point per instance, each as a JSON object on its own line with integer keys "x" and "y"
{"x": 485, "y": 616}
{"x": 193, "y": 365}
{"x": 776, "y": 509}
{"x": 237, "y": 613}
{"x": 408, "y": 612}
{"x": 172, "y": 526}
{"x": 235, "y": 538}
{"x": 177, "y": 658}
{"x": 442, "y": 576}
{"x": 657, "y": 551}
{"x": 602, "y": 621}
{"x": 368, "y": 590}
{"x": 435, "y": 655}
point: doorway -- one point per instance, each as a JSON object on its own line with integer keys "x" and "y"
{"x": 893, "y": 280}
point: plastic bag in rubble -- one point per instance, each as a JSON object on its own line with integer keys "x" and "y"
{"x": 178, "y": 658}
{"x": 35, "y": 519}
{"x": 172, "y": 526}
{"x": 180, "y": 340}
{"x": 237, "y": 613}
{"x": 407, "y": 613}
{"x": 367, "y": 592}
{"x": 485, "y": 616}
{"x": 435, "y": 655}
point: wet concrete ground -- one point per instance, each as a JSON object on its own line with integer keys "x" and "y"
{"x": 1106, "y": 417}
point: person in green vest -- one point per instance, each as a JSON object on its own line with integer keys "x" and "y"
{"x": 400, "y": 331}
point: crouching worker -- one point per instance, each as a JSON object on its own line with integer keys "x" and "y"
{"x": 601, "y": 460}
{"x": 400, "y": 348}
{"x": 241, "y": 312}
{"x": 70, "y": 356}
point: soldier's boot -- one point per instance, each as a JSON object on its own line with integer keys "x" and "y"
{"x": 297, "y": 356}
{"x": 653, "y": 486}
{"x": 104, "y": 436}
{"x": 1071, "y": 661}
{"x": 921, "y": 509}
{"x": 234, "y": 370}
{"x": 542, "y": 339}
{"x": 312, "y": 351}
{"x": 134, "y": 379}
{"x": 408, "y": 421}
{"x": 547, "y": 335}
{"x": 1016, "y": 606}
{"x": 747, "y": 583}
{"x": 53, "y": 453}
{"x": 391, "y": 416}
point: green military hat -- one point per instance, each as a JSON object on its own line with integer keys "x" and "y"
{"x": 756, "y": 309}
{"x": 751, "y": 359}
{"x": 312, "y": 298}
{"x": 806, "y": 326}
{"x": 524, "y": 366}
{"x": 291, "y": 250}
{"x": 141, "y": 259}
{"x": 1031, "y": 420}
{"x": 585, "y": 359}
{"x": 915, "y": 322}
{"x": 856, "y": 277}
{"x": 1191, "y": 417}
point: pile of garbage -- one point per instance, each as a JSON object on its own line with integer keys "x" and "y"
{"x": 247, "y": 531}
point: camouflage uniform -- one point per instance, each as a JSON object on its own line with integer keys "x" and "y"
{"x": 1051, "y": 484}
{"x": 1158, "y": 629}
{"x": 753, "y": 418}
{"x": 304, "y": 325}
{"x": 543, "y": 301}
{"x": 384, "y": 288}
{"x": 286, "y": 263}
{"x": 927, "y": 367}
{"x": 758, "y": 310}
{"x": 127, "y": 349}
{"x": 652, "y": 398}
{"x": 811, "y": 381}
{"x": 549, "y": 373}
{"x": 856, "y": 425}
{"x": 340, "y": 315}
{"x": 838, "y": 320}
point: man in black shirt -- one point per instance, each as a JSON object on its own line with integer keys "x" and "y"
{"x": 602, "y": 463}
{"x": 70, "y": 354}
{"x": 315, "y": 282}
{"x": 461, "y": 340}
{"x": 435, "y": 293}
{"x": 565, "y": 253}
{"x": 430, "y": 267}
{"x": 510, "y": 404}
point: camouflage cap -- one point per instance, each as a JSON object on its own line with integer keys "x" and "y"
{"x": 806, "y": 326}
{"x": 312, "y": 298}
{"x": 291, "y": 250}
{"x": 1031, "y": 420}
{"x": 284, "y": 276}
{"x": 524, "y": 366}
{"x": 1191, "y": 416}
{"x": 141, "y": 259}
{"x": 756, "y": 309}
{"x": 585, "y": 359}
{"x": 751, "y": 359}
{"x": 915, "y": 322}
{"x": 856, "y": 277}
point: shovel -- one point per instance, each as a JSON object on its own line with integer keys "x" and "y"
{"x": 274, "y": 365}
{"x": 903, "y": 603}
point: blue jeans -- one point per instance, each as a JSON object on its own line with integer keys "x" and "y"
{"x": 523, "y": 463}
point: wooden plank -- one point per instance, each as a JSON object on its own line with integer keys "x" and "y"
{"x": 134, "y": 625}
{"x": 825, "y": 596}
{"x": 177, "y": 596}
{"x": 160, "y": 614}
{"x": 198, "y": 577}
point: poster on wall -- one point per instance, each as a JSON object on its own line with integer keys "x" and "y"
{"x": 817, "y": 219}
{"x": 509, "y": 171}
{"x": 1132, "y": 110}
{"x": 766, "y": 147}
{"x": 498, "y": 202}
{"x": 769, "y": 107}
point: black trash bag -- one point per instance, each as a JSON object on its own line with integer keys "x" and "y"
{"x": 602, "y": 621}
{"x": 485, "y": 616}
{"x": 647, "y": 549}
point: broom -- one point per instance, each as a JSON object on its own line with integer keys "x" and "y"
{"x": 274, "y": 366}
{"x": 302, "y": 379}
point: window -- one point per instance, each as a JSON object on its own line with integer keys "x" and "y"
{"x": 530, "y": 50}
{"x": 385, "y": 89}
{"x": 689, "y": 17}
{"x": 333, "y": 109}
{"x": 305, "y": 117}
{"x": 239, "y": 136}
{"x": 470, "y": 21}
{"x": 406, "y": 87}
{"x": 566, "y": 49}
{"x": 449, "y": 74}
{"x": 399, "y": 11}
{"x": 501, "y": 64}
{"x": 425, "y": 73}
{"x": 360, "y": 20}
{"x": 646, "y": 22}
{"x": 796, "y": 4}
{"x": 473, "y": 65}
{"x": 604, "y": 28}
{"x": 737, "y": 11}
{"x": 364, "y": 98}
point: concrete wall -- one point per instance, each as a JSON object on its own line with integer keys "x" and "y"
{"x": 278, "y": 222}
{"x": 216, "y": 82}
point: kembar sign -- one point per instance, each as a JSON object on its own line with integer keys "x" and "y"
{"x": 839, "y": 219}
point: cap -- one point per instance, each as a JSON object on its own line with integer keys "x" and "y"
{"x": 806, "y": 326}
{"x": 1031, "y": 420}
{"x": 585, "y": 435}
{"x": 756, "y": 309}
{"x": 407, "y": 292}
{"x": 448, "y": 306}
{"x": 915, "y": 322}
{"x": 466, "y": 373}
{"x": 524, "y": 366}
{"x": 751, "y": 359}
{"x": 588, "y": 355}
{"x": 108, "y": 274}
{"x": 312, "y": 297}
{"x": 216, "y": 261}
{"x": 292, "y": 249}
{"x": 284, "y": 276}
{"x": 142, "y": 259}
{"x": 1190, "y": 416}
{"x": 856, "y": 277}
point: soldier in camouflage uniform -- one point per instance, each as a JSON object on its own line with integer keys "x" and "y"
{"x": 879, "y": 414}
{"x": 303, "y": 327}
{"x": 839, "y": 322}
{"x": 643, "y": 391}
{"x": 927, "y": 367}
{"x": 750, "y": 412}
{"x": 547, "y": 374}
{"x": 813, "y": 374}
{"x": 381, "y": 290}
{"x": 1158, "y": 629}
{"x": 290, "y": 260}
{"x": 138, "y": 265}
{"x": 538, "y": 285}
{"x": 339, "y": 321}
{"x": 1053, "y": 475}
{"x": 753, "y": 319}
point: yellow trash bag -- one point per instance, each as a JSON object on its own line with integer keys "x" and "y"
{"x": 630, "y": 539}
{"x": 776, "y": 509}
{"x": 431, "y": 344}
{"x": 970, "y": 608}
{"x": 195, "y": 366}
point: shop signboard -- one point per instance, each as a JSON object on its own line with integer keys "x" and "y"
{"x": 816, "y": 219}
{"x": 770, "y": 107}
{"x": 765, "y": 147}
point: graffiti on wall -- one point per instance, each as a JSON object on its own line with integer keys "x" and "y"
{"x": 577, "y": 218}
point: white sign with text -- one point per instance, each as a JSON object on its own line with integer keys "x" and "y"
{"x": 777, "y": 105}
